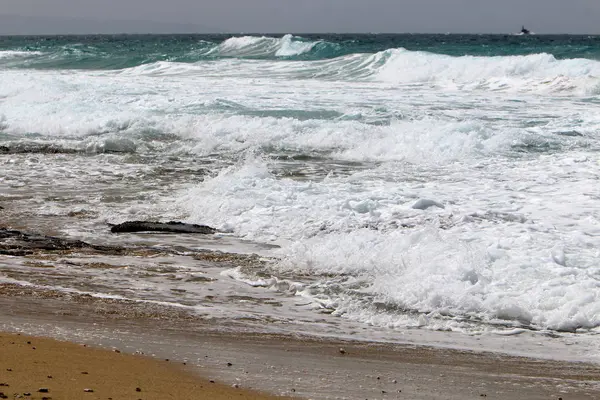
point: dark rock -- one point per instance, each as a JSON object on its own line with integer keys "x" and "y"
{"x": 84, "y": 373}
{"x": 229, "y": 364}
{"x": 88, "y": 390}
{"x": 43, "y": 390}
{"x": 171, "y": 227}
{"x": 138, "y": 389}
{"x": 18, "y": 243}
{"x": 3, "y": 396}
{"x": 35, "y": 148}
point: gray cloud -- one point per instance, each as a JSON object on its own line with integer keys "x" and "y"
{"x": 476, "y": 16}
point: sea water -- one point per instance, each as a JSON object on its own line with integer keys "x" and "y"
{"x": 441, "y": 182}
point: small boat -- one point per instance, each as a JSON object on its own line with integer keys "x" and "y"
{"x": 525, "y": 31}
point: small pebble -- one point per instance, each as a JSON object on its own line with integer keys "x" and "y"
{"x": 211, "y": 381}
{"x": 84, "y": 373}
{"x": 229, "y": 364}
{"x": 43, "y": 390}
{"x": 378, "y": 378}
{"x": 28, "y": 342}
{"x": 293, "y": 390}
{"x": 33, "y": 347}
{"x": 184, "y": 363}
{"x": 166, "y": 359}
{"x": 138, "y": 389}
{"x": 49, "y": 376}
{"x": 394, "y": 381}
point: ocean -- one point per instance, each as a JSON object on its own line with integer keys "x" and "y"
{"x": 385, "y": 182}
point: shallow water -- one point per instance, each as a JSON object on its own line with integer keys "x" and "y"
{"x": 321, "y": 162}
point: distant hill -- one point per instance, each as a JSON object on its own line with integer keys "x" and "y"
{"x": 20, "y": 25}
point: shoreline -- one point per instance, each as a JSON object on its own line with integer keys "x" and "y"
{"x": 296, "y": 365}
{"x": 43, "y": 368}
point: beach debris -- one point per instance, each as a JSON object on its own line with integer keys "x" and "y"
{"x": 394, "y": 381}
{"x": 170, "y": 227}
{"x": 84, "y": 373}
{"x": 28, "y": 342}
{"x": 88, "y": 390}
{"x": 229, "y": 364}
{"x": 3, "y": 396}
{"x": 4, "y": 384}
{"x": 342, "y": 350}
{"x": 49, "y": 376}
{"x": 235, "y": 385}
{"x": 424, "y": 204}
{"x": 211, "y": 381}
{"x": 43, "y": 390}
{"x": 9, "y": 369}
{"x": 137, "y": 389}
{"x": 117, "y": 351}
{"x": 26, "y": 394}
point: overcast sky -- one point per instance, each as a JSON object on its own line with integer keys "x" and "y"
{"x": 475, "y": 16}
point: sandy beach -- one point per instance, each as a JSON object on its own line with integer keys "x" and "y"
{"x": 290, "y": 365}
{"x": 41, "y": 368}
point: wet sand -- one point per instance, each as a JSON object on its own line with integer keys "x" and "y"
{"x": 39, "y": 368}
{"x": 289, "y": 365}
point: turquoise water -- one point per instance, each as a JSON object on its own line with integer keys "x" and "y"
{"x": 124, "y": 51}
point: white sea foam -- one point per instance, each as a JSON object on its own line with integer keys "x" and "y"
{"x": 448, "y": 265}
{"x": 514, "y": 168}
{"x": 8, "y": 54}
{"x": 253, "y": 46}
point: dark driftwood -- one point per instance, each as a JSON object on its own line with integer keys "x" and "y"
{"x": 171, "y": 227}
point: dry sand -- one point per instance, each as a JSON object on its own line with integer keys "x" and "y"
{"x": 50, "y": 369}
